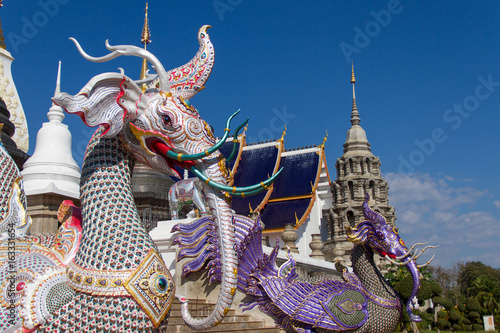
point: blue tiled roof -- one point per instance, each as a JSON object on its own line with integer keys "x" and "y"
{"x": 277, "y": 214}
{"x": 299, "y": 171}
{"x": 256, "y": 165}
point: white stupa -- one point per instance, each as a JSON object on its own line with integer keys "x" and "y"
{"x": 52, "y": 169}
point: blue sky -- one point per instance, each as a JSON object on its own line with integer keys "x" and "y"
{"x": 428, "y": 88}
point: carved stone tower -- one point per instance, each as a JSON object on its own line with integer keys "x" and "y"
{"x": 358, "y": 173}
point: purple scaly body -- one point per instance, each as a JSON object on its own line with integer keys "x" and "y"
{"x": 361, "y": 302}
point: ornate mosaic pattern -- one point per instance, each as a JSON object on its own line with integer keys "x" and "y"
{"x": 189, "y": 79}
{"x": 9, "y": 173}
{"x": 16, "y": 218}
{"x": 152, "y": 287}
{"x": 98, "y": 282}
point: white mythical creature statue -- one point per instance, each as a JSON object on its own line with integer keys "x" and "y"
{"x": 114, "y": 278}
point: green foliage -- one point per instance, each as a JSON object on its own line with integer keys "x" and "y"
{"x": 427, "y": 319}
{"x": 443, "y": 324}
{"x": 455, "y": 315}
{"x": 469, "y": 272}
{"x": 461, "y": 307}
{"x": 477, "y": 327}
{"x": 446, "y": 302}
{"x": 479, "y": 321}
{"x": 474, "y": 314}
{"x": 457, "y": 327}
{"x": 436, "y": 289}
{"x": 468, "y": 328}
{"x": 404, "y": 288}
{"x": 428, "y": 290}
{"x": 442, "y": 314}
{"x": 473, "y": 305}
{"x": 467, "y": 322}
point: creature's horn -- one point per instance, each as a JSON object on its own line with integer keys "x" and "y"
{"x": 235, "y": 141}
{"x": 130, "y": 50}
{"x": 409, "y": 253}
{"x": 238, "y": 191}
{"x": 427, "y": 263}
{"x": 191, "y": 157}
{"x": 371, "y": 214}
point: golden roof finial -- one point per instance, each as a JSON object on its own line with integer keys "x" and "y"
{"x": 353, "y": 79}
{"x": 146, "y": 34}
{"x": 322, "y": 145}
{"x": 283, "y": 135}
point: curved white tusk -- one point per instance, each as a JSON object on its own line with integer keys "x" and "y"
{"x": 396, "y": 262}
{"x": 415, "y": 256}
{"x": 426, "y": 264}
{"x": 409, "y": 251}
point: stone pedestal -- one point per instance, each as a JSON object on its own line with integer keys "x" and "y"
{"x": 289, "y": 236}
{"x": 316, "y": 246}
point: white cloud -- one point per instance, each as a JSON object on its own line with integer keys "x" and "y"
{"x": 443, "y": 211}
{"x": 497, "y": 203}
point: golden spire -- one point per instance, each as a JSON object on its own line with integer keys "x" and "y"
{"x": 354, "y": 114}
{"x": 145, "y": 39}
{"x": 353, "y": 79}
{"x": 146, "y": 34}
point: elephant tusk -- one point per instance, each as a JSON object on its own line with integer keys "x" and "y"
{"x": 426, "y": 264}
{"x": 242, "y": 191}
{"x": 409, "y": 251}
{"x": 190, "y": 157}
{"x": 396, "y": 262}
{"x": 415, "y": 257}
{"x": 235, "y": 141}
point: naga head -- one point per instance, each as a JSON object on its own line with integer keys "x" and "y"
{"x": 159, "y": 126}
{"x": 383, "y": 239}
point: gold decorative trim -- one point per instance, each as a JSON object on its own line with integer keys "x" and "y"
{"x": 97, "y": 282}
{"x": 152, "y": 287}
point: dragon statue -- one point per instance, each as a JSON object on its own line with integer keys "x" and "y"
{"x": 361, "y": 301}
{"x": 105, "y": 274}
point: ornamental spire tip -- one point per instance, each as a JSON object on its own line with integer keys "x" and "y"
{"x": 353, "y": 79}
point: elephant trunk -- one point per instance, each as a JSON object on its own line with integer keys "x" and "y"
{"x": 223, "y": 218}
{"x": 412, "y": 301}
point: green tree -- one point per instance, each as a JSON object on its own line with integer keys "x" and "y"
{"x": 485, "y": 293}
{"x": 470, "y": 271}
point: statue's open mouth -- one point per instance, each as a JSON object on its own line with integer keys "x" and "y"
{"x": 160, "y": 148}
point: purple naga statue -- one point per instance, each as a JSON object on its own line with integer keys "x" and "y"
{"x": 359, "y": 302}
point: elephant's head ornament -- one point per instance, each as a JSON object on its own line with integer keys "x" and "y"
{"x": 386, "y": 242}
{"x": 162, "y": 129}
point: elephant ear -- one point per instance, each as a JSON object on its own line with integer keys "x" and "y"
{"x": 105, "y": 100}
{"x": 187, "y": 80}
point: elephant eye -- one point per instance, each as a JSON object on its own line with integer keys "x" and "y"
{"x": 166, "y": 119}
